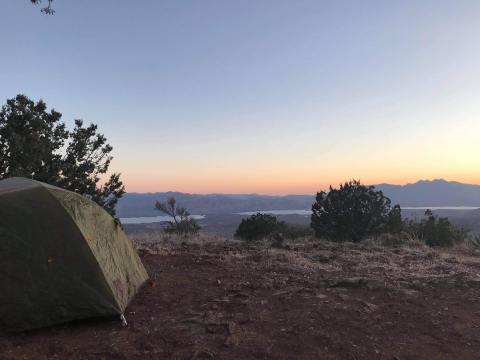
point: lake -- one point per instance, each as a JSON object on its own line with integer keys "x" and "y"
{"x": 153, "y": 219}
{"x": 278, "y": 212}
{"x": 441, "y": 207}
{"x": 309, "y": 212}
{"x": 302, "y": 212}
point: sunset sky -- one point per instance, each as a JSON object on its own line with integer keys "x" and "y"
{"x": 259, "y": 96}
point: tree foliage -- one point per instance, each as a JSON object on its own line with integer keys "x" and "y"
{"x": 353, "y": 212}
{"x": 46, "y": 9}
{"x": 257, "y": 226}
{"x": 182, "y": 223}
{"x": 435, "y": 230}
{"x": 35, "y": 144}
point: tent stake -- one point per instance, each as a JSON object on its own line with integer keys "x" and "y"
{"x": 123, "y": 320}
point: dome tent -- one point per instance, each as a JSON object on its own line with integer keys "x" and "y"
{"x": 62, "y": 257}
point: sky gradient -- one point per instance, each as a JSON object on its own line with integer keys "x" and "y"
{"x": 270, "y": 97}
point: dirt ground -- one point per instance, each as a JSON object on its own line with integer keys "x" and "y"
{"x": 227, "y": 300}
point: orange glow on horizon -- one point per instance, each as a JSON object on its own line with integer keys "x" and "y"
{"x": 306, "y": 168}
{"x": 272, "y": 187}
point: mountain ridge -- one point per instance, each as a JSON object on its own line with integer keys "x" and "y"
{"x": 436, "y": 192}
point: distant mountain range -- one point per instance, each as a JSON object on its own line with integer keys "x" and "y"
{"x": 432, "y": 193}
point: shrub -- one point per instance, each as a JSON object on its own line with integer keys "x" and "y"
{"x": 278, "y": 241}
{"x": 435, "y": 231}
{"x": 353, "y": 212}
{"x": 472, "y": 241}
{"x": 394, "y": 221}
{"x": 183, "y": 223}
{"x": 257, "y": 227}
{"x": 294, "y": 231}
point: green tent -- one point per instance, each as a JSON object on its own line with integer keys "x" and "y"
{"x": 62, "y": 257}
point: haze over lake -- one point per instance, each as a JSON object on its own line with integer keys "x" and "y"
{"x": 152, "y": 219}
{"x": 301, "y": 212}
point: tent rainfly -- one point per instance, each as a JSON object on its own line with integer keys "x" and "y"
{"x": 62, "y": 258}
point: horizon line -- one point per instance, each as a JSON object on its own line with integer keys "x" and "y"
{"x": 293, "y": 194}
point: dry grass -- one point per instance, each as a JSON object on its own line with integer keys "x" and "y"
{"x": 167, "y": 244}
{"x": 390, "y": 260}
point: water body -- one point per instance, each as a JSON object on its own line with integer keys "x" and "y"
{"x": 441, "y": 207}
{"x": 301, "y": 212}
{"x": 153, "y": 219}
{"x": 278, "y": 212}
{"x": 309, "y": 212}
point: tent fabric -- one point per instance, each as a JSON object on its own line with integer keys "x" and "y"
{"x": 62, "y": 258}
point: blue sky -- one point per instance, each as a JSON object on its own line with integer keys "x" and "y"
{"x": 258, "y": 96}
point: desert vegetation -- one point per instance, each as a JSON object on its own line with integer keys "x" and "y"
{"x": 258, "y": 226}
{"x": 355, "y": 213}
{"x": 266, "y": 226}
{"x": 435, "y": 230}
{"x": 182, "y": 223}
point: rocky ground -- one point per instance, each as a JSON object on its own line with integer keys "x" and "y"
{"x": 214, "y": 299}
